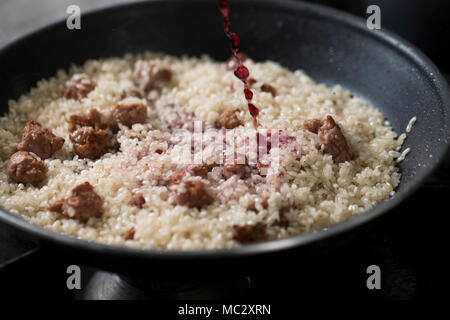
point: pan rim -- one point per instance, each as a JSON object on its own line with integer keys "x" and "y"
{"x": 409, "y": 51}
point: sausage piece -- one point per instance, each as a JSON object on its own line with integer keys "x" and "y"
{"x": 149, "y": 76}
{"x": 194, "y": 195}
{"x": 229, "y": 119}
{"x": 251, "y": 81}
{"x": 268, "y": 88}
{"x": 282, "y": 220}
{"x": 129, "y": 234}
{"x": 249, "y": 233}
{"x": 139, "y": 202}
{"x": 24, "y": 167}
{"x": 312, "y": 125}
{"x": 129, "y": 111}
{"x": 230, "y": 170}
{"x": 334, "y": 141}
{"x": 82, "y": 204}
{"x": 89, "y": 142}
{"x": 78, "y": 87}
{"x": 40, "y": 141}
{"x": 331, "y": 137}
{"x": 91, "y": 119}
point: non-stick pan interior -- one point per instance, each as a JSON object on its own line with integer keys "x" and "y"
{"x": 331, "y": 47}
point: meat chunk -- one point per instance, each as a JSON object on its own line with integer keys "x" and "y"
{"x": 334, "y": 141}
{"x": 24, "y": 167}
{"x": 82, "y": 204}
{"x": 91, "y": 119}
{"x": 265, "y": 201}
{"x": 229, "y": 119}
{"x": 268, "y": 88}
{"x": 230, "y": 170}
{"x": 150, "y": 76}
{"x": 251, "y": 81}
{"x": 199, "y": 171}
{"x": 89, "y": 142}
{"x": 129, "y": 234}
{"x": 194, "y": 195}
{"x": 194, "y": 171}
{"x": 232, "y": 62}
{"x": 282, "y": 221}
{"x": 139, "y": 202}
{"x": 129, "y": 111}
{"x": 40, "y": 141}
{"x": 249, "y": 233}
{"x": 312, "y": 125}
{"x": 331, "y": 137}
{"x": 78, "y": 87}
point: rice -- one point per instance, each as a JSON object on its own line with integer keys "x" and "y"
{"x": 403, "y": 155}
{"x": 316, "y": 191}
{"x": 410, "y": 124}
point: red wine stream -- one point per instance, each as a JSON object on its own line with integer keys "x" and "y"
{"x": 241, "y": 71}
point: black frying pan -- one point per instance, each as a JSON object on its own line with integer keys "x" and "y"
{"x": 332, "y": 47}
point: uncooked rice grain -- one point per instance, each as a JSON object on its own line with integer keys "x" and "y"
{"x": 410, "y": 124}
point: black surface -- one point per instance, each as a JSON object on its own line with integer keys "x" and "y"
{"x": 425, "y": 23}
{"x": 332, "y": 52}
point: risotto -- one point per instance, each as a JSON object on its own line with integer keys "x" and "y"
{"x": 156, "y": 151}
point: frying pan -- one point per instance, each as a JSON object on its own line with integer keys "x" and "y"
{"x": 331, "y": 46}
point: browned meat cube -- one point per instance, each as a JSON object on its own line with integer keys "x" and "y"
{"x": 199, "y": 171}
{"x": 334, "y": 141}
{"x": 129, "y": 111}
{"x": 82, "y": 204}
{"x": 129, "y": 234}
{"x": 40, "y": 141}
{"x": 331, "y": 137}
{"x": 249, "y": 233}
{"x": 24, "y": 167}
{"x": 78, "y": 87}
{"x": 91, "y": 119}
{"x": 229, "y": 119}
{"x": 89, "y": 142}
{"x": 149, "y": 76}
{"x": 139, "y": 202}
{"x": 251, "y": 81}
{"x": 312, "y": 125}
{"x": 230, "y": 170}
{"x": 194, "y": 195}
{"x": 268, "y": 88}
{"x": 282, "y": 221}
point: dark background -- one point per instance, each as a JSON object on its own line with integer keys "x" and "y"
{"x": 409, "y": 244}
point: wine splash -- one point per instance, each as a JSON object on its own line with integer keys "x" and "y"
{"x": 241, "y": 71}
